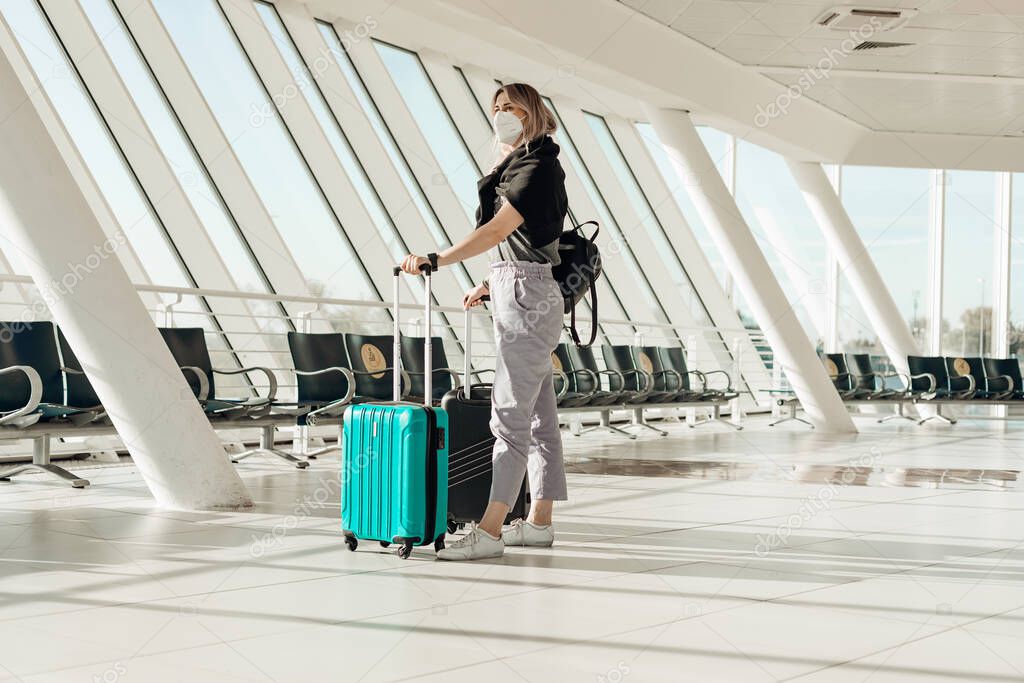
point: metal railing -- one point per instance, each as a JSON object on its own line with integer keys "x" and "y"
{"x": 249, "y": 329}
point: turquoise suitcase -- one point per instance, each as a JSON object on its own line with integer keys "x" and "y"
{"x": 394, "y": 472}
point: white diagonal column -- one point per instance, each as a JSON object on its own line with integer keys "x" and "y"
{"x": 855, "y": 262}
{"x": 772, "y": 310}
{"x": 75, "y": 266}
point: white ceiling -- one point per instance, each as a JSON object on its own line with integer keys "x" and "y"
{"x": 976, "y": 47}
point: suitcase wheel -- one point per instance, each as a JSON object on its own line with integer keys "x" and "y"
{"x": 439, "y": 543}
{"x": 351, "y": 541}
{"x": 405, "y": 550}
{"x": 385, "y": 544}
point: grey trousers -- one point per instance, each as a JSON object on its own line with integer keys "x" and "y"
{"x": 527, "y": 311}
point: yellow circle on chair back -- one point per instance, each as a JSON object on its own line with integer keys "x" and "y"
{"x": 961, "y": 367}
{"x": 373, "y": 360}
{"x": 556, "y": 362}
{"x": 831, "y": 368}
{"x": 645, "y": 363}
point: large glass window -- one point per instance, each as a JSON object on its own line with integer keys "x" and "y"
{"x": 457, "y": 164}
{"x": 967, "y": 268}
{"x": 264, "y": 146}
{"x": 93, "y": 141}
{"x": 1016, "y": 315}
{"x": 624, "y": 252}
{"x": 716, "y": 143}
{"x": 648, "y": 219}
{"x": 776, "y": 212}
{"x": 400, "y": 163}
{"x": 890, "y": 209}
{"x": 131, "y": 207}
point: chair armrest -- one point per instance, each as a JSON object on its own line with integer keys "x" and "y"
{"x": 883, "y": 376}
{"x": 271, "y": 379}
{"x": 972, "y": 385}
{"x": 648, "y": 379}
{"x": 701, "y": 377}
{"x": 71, "y": 371}
{"x": 668, "y": 371}
{"x": 456, "y": 377}
{"x": 349, "y": 377}
{"x": 204, "y": 381}
{"x": 612, "y": 373}
{"x": 558, "y": 374}
{"x": 35, "y": 394}
{"x": 728, "y": 379}
{"x": 933, "y": 383}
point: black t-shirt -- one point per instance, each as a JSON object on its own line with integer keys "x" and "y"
{"x": 531, "y": 179}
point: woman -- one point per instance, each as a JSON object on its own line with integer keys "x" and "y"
{"x": 522, "y": 208}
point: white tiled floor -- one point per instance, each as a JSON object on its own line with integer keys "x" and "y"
{"x": 902, "y": 561}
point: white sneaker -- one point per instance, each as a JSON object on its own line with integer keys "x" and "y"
{"x": 523, "y": 533}
{"x": 476, "y": 545}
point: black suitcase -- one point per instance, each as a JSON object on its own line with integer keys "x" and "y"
{"x": 470, "y": 443}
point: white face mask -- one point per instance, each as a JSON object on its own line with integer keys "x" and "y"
{"x": 507, "y": 127}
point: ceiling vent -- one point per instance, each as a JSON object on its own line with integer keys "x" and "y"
{"x": 882, "y": 45}
{"x": 854, "y": 18}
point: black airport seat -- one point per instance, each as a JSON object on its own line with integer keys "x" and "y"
{"x": 666, "y": 380}
{"x": 844, "y": 382}
{"x": 874, "y": 384}
{"x": 929, "y": 380}
{"x": 79, "y": 388}
{"x": 987, "y": 388}
{"x": 1005, "y": 371}
{"x": 636, "y": 385}
{"x": 675, "y": 358}
{"x": 444, "y": 378}
{"x": 32, "y": 378}
{"x": 325, "y": 384}
{"x": 370, "y": 357}
{"x": 188, "y": 346}
{"x": 582, "y": 377}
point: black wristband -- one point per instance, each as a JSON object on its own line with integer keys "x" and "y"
{"x": 433, "y": 261}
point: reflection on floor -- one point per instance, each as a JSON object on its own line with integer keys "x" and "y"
{"x": 925, "y": 477}
{"x": 707, "y": 555}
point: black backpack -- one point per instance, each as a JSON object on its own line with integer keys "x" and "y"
{"x": 579, "y": 268}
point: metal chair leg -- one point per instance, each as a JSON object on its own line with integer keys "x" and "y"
{"x": 898, "y": 415}
{"x": 938, "y": 416}
{"x": 792, "y": 416}
{"x": 266, "y": 447}
{"x": 639, "y": 421}
{"x": 606, "y": 425}
{"x": 716, "y": 416}
{"x": 41, "y": 463}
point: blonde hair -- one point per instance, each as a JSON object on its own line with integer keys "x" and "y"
{"x": 539, "y": 119}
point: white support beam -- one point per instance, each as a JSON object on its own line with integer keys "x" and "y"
{"x": 636, "y": 243}
{"x": 855, "y": 262}
{"x": 690, "y": 255}
{"x": 45, "y": 214}
{"x": 793, "y": 352}
{"x": 936, "y": 256}
{"x": 1001, "y": 268}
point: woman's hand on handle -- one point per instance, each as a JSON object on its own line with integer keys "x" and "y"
{"x": 412, "y": 263}
{"x": 474, "y": 296}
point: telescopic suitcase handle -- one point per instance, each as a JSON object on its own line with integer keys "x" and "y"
{"x": 428, "y": 370}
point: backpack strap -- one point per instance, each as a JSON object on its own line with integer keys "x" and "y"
{"x": 593, "y": 318}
